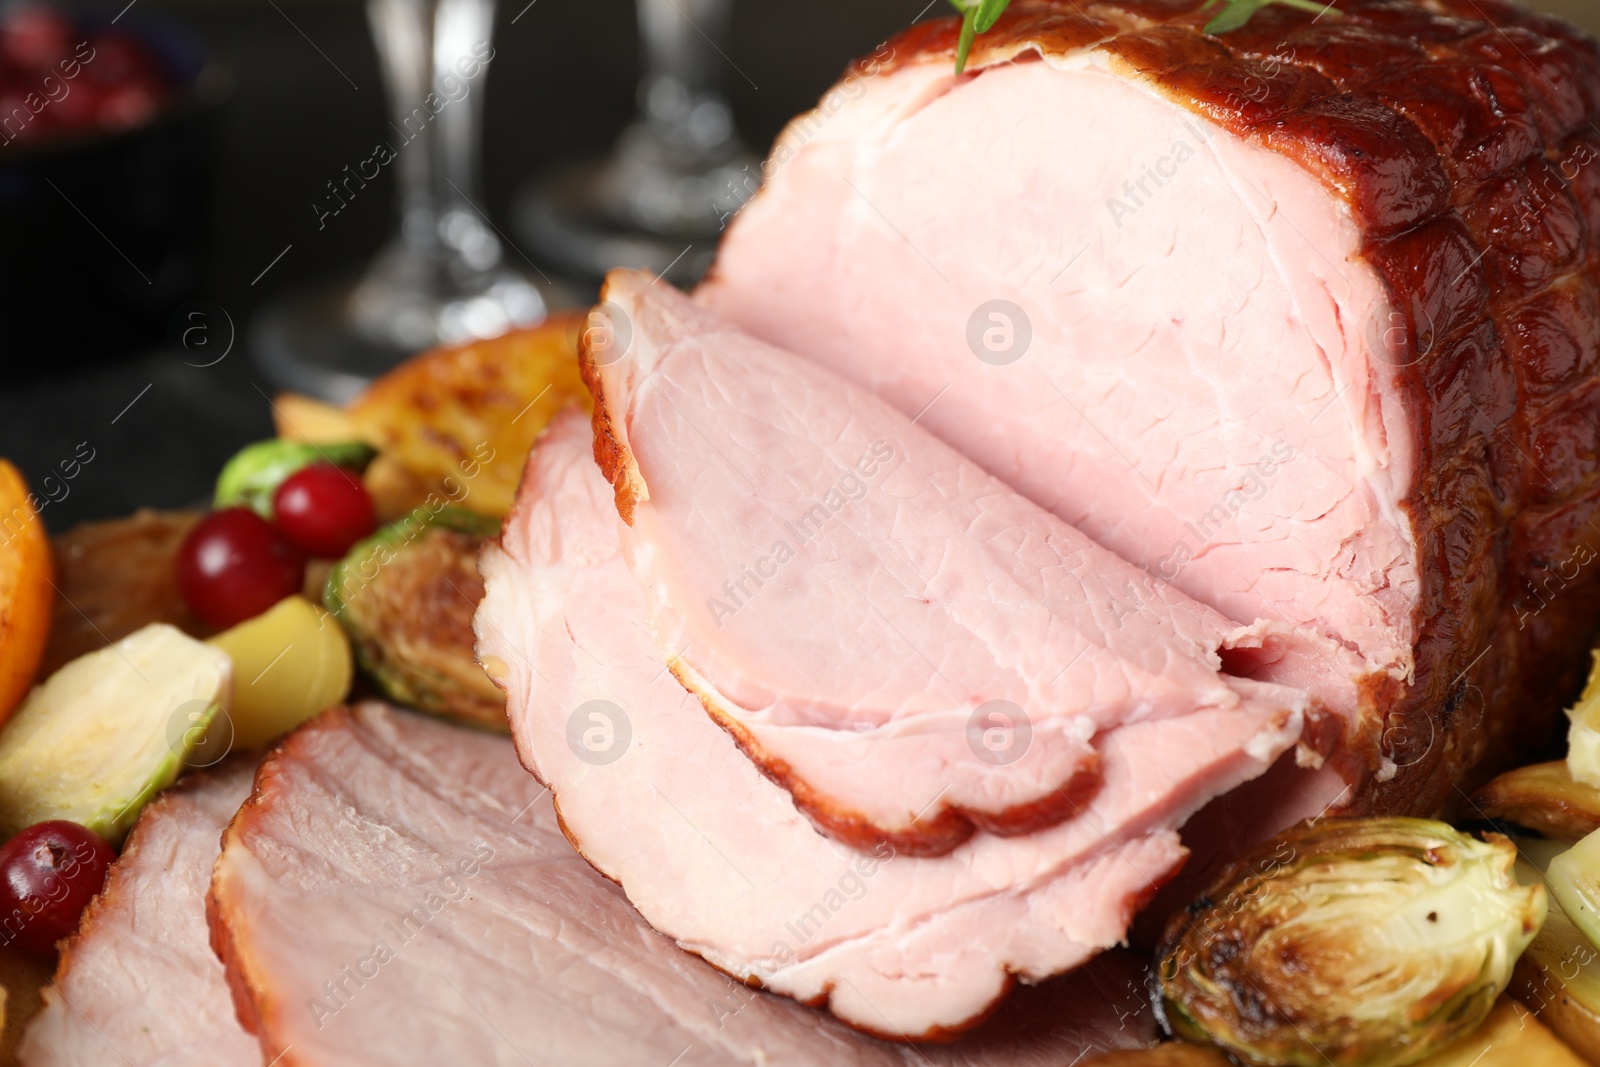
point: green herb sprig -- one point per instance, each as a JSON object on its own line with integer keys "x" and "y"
{"x": 1236, "y": 13}
{"x": 977, "y": 16}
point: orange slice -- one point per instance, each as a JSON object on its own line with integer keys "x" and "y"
{"x": 27, "y": 596}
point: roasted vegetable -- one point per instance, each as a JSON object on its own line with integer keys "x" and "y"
{"x": 1558, "y": 978}
{"x": 305, "y": 418}
{"x": 253, "y": 475}
{"x": 1510, "y": 1037}
{"x": 1370, "y": 942}
{"x": 108, "y": 731}
{"x": 116, "y": 577}
{"x": 1166, "y": 1054}
{"x": 1544, "y": 798}
{"x": 406, "y": 597}
{"x": 1574, "y": 880}
{"x": 459, "y": 422}
{"x": 26, "y": 596}
{"x": 288, "y": 664}
{"x": 1583, "y": 737}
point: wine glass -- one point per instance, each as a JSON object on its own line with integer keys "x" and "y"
{"x": 677, "y": 173}
{"x": 442, "y": 278}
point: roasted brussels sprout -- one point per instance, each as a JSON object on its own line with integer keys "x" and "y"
{"x": 1542, "y": 797}
{"x": 253, "y": 475}
{"x": 406, "y": 597}
{"x": 1369, "y": 942}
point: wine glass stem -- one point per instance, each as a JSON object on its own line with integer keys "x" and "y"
{"x": 433, "y": 55}
{"x": 681, "y": 57}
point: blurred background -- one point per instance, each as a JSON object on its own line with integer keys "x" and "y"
{"x": 215, "y": 168}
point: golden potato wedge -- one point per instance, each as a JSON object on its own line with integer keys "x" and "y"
{"x": 27, "y": 596}
{"x": 1510, "y": 1037}
{"x": 462, "y": 420}
{"x": 304, "y": 418}
{"x": 1170, "y": 1054}
{"x": 1544, "y": 798}
{"x": 116, "y": 577}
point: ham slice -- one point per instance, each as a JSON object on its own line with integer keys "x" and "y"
{"x": 138, "y": 984}
{"x": 908, "y": 646}
{"x": 399, "y": 891}
{"x": 718, "y": 857}
{"x": 1303, "y": 318}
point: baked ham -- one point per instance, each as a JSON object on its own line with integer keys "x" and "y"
{"x": 138, "y": 984}
{"x": 908, "y": 646}
{"x": 1302, "y": 319}
{"x": 715, "y": 855}
{"x": 399, "y": 891}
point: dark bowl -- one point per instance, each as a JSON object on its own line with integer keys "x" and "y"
{"x": 103, "y": 230}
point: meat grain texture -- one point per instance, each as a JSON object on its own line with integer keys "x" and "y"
{"x": 138, "y": 984}
{"x": 399, "y": 891}
{"x": 659, "y": 798}
{"x": 867, "y": 611}
{"x": 1303, "y": 318}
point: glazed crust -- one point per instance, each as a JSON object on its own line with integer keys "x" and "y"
{"x": 1465, "y": 137}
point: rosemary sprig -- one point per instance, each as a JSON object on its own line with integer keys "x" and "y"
{"x": 1236, "y": 13}
{"x": 977, "y": 16}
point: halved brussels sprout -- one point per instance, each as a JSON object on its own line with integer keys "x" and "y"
{"x": 1544, "y": 798}
{"x": 1369, "y": 942}
{"x": 109, "y": 731}
{"x": 406, "y": 597}
{"x": 253, "y": 475}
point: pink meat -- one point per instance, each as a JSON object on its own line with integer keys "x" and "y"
{"x": 138, "y": 985}
{"x": 1303, "y": 318}
{"x": 398, "y": 891}
{"x": 718, "y": 857}
{"x": 907, "y": 645}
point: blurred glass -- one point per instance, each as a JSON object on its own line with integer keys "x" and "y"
{"x": 677, "y": 173}
{"x": 441, "y": 278}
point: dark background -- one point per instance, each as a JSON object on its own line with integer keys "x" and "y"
{"x": 305, "y": 101}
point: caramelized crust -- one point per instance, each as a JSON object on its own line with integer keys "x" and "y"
{"x": 1463, "y": 135}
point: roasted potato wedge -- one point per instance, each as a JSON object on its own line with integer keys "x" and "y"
{"x": 312, "y": 421}
{"x": 1510, "y": 1037}
{"x": 116, "y": 577}
{"x": 1543, "y": 798}
{"x": 26, "y": 593}
{"x": 462, "y": 420}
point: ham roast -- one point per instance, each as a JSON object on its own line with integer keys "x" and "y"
{"x": 138, "y": 984}
{"x": 398, "y": 891}
{"x": 718, "y": 857}
{"x": 1302, "y": 319}
{"x": 856, "y": 602}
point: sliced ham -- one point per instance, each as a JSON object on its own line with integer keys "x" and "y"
{"x": 1303, "y": 318}
{"x": 399, "y": 891}
{"x": 907, "y": 645}
{"x": 138, "y": 985}
{"x": 715, "y": 855}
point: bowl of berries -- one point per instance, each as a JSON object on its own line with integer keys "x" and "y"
{"x": 105, "y": 133}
